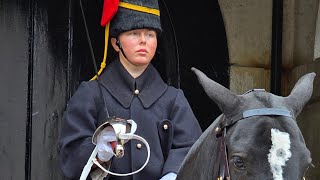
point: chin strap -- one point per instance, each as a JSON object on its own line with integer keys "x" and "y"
{"x": 120, "y": 47}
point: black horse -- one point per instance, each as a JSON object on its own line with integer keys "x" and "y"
{"x": 256, "y": 137}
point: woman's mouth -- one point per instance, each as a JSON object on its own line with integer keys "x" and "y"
{"x": 142, "y": 50}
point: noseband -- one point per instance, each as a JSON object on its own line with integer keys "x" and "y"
{"x": 221, "y": 130}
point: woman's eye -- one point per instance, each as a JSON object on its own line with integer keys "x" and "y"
{"x": 151, "y": 34}
{"x": 133, "y": 33}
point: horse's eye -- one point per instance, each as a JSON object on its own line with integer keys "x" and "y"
{"x": 238, "y": 162}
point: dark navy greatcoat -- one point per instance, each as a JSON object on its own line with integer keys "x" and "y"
{"x": 155, "y": 105}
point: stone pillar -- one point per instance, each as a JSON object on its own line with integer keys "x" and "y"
{"x": 248, "y": 26}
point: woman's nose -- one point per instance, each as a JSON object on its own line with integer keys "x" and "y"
{"x": 143, "y": 37}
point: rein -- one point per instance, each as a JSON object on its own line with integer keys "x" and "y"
{"x": 221, "y": 130}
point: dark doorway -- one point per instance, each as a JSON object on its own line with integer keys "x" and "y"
{"x": 201, "y": 43}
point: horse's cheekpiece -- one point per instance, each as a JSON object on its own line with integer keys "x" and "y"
{"x": 124, "y": 130}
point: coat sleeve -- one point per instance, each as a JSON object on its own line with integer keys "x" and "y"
{"x": 186, "y": 130}
{"x": 79, "y": 124}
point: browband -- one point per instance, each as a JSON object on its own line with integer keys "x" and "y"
{"x": 257, "y": 112}
{"x": 267, "y": 112}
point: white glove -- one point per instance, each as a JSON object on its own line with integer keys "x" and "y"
{"x": 169, "y": 176}
{"x": 104, "y": 138}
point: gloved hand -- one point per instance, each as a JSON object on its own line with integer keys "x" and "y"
{"x": 169, "y": 176}
{"x": 104, "y": 138}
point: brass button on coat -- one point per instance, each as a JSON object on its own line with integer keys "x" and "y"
{"x": 136, "y": 92}
{"x": 165, "y": 127}
{"x": 139, "y": 146}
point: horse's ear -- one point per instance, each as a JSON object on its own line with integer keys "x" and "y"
{"x": 301, "y": 93}
{"x": 223, "y": 97}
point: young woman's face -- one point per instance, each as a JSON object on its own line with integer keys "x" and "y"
{"x": 139, "y": 46}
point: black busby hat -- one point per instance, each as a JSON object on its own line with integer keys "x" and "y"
{"x": 123, "y": 15}
{"x": 135, "y": 14}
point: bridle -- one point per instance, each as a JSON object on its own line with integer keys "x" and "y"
{"x": 221, "y": 130}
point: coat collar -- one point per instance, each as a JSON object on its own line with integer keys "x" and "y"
{"x": 122, "y": 85}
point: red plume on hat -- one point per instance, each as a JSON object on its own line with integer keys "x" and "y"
{"x": 110, "y": 7}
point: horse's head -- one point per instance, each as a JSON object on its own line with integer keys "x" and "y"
{"x": 260, "y": 133}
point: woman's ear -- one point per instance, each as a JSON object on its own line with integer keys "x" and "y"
{"x": 114, "y": 44}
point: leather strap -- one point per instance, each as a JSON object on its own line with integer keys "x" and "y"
{"x": 256, "y": 112}
{"x": 223, "y": 171}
